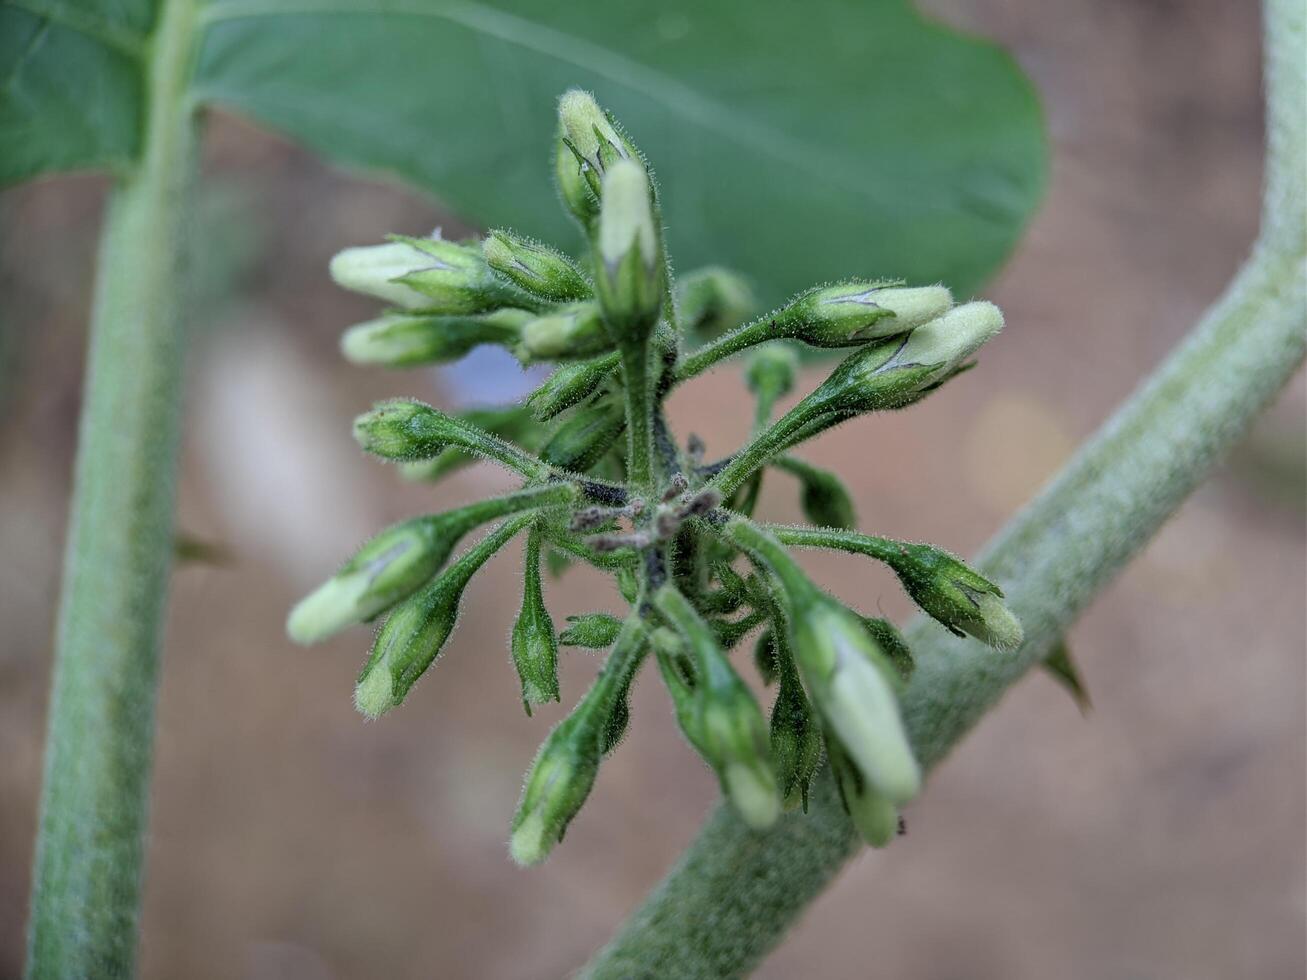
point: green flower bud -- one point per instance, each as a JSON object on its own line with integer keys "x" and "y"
{"x": 403, "y": 429}
{"x": 593, "y": 630}
{"x": 729, "y": 729}
{"x": 535, "y": 267}
{"x": 954, "y": 594}
{"x": 892, "y": 644}
{"x": 534, "y": 646}
{"x": 592, "y": 137}
{"x": 585, "y": 437}
{"x": 414, "y": 634}
{"x": 765, "y": 657}
{"x": 629, "y": 277}
{"x": 573, "y": 188}
{"x": 377, "y": 270}
{"x": 825, "y": 501}
{"x": 558, "y": 784}
{"x": 456, "y": 279}
{"x": 852, "y": 685}
{"x": 574, "y": 331}
{"x": 619, "y": 720}
{"x": 405, "y": 341}
{"x": 400, "y": 560}
{"x": 874, "y": 817}
{"x": 512, "y": 422}
{"x": 713, "y": 300}
{"x": 570, "y": 384}
{"x": 795, "y": 738}
{"x": 628, "y": 583}
{"x": 896, "y": 372}
{"x": 771, "y": 371}
{"x": 856, "y": 312}
{"x": 388, "y": 568}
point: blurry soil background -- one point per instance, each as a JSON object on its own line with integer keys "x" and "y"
{"x": 1160, "y": 837}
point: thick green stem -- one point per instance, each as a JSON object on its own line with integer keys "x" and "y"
{"x": 736, "y": 892}
{"x": 87, "y": 875}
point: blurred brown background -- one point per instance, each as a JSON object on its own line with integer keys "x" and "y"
{"x": 1161, "y": 837}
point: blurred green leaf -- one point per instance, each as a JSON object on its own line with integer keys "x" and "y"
{"x": 70, "y": 84}
{"x": 795, "y": 141}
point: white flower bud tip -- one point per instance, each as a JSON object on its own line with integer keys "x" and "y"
{"x": 374, "y": 695}
{"x": 626, "y": 218}
{"x": 754, "y": 795}
{"x": 328, "y": 609}
{"x": 952, "y": 338}
{"x": 908, "y": 306}
{"x": 530, "y": 843}
{"x": 371, "y": 269}
{"x": 995, "y": 623}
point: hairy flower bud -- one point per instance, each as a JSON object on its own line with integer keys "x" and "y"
{"x": 856, "y": 312}
{"x": 581, "y": 202}
{"x": 728, "y": 727}
{"x": 405, "y": 341}
{"x": 795, "y": 738}
{"x": 713, "y": 300}
{"x": 593, "y": 630}
{"x": 771, "y": 371}
{"x": 825, "y": 500}
{"x": 573, "y": 331}
{"x": 402, "y": 559}
{"x": 428, "y": 275}
{"x": 390, "y": 567}
{"x": 414, "y": 634}
{"x": 585, "y": 437}
{"x": 403, "y": 429}
{"x": 570, "y": 384}
{"x": 534, "y": 645}
{"x": 875, "y": 817}
{"x": 535, "y": 267}
{"x": 852, "y": 686}
{"x": 559, "y": 782}
{"x": 590, "y": 135}
{"x": 955, "y": 595}
{"x": 629, "y": 277}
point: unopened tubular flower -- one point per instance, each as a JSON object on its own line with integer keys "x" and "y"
{"x": 571, "y": 383}
{"x": 558, "y": 784}
{"x": 728, "y": 727}
{"x": 874, "y": 816}
{"x": 629, "y": 282}
{"x": 896, "y": 372}
{"x": 429, "y": 275}
{"x": 853, "y": 688}
{"x": 536, "y": 268}
{"x": 414, "y": 634}
{"x": 592, "y": 138}
{"x": 571, "y": 331}
{"x": 854, "y": 313}
{"x": 402, "y": 559}
{"x": 955, "y": 594}
{"x": 403, "y": 429}
{"x": 405, "y": 341}
{"x": 585, "y": 437}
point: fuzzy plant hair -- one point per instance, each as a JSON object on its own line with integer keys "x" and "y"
{"x": 606, "y": 481}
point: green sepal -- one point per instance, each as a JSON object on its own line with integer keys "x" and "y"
{"x": 584, "y": 438}
{"x": 593, "y": 630}
{"x": 571, "y": 384}
{"x": 534, "y": 645}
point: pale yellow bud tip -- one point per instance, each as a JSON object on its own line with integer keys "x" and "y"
{"x": 754, "y": 795}
{"x": 1001, "y": 629}
{"x": 530, "y": 843}
{"x": 327, "y": 610}
{"x": 374, "y": 695}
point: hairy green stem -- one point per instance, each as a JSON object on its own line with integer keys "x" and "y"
{"x": 639, "y": 413}
{"x": 735, "y": 892}
{"x": 90, "y": 846}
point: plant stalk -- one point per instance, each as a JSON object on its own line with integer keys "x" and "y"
{"x": 736, "y": 892}
{"x": 90, "y": 845}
